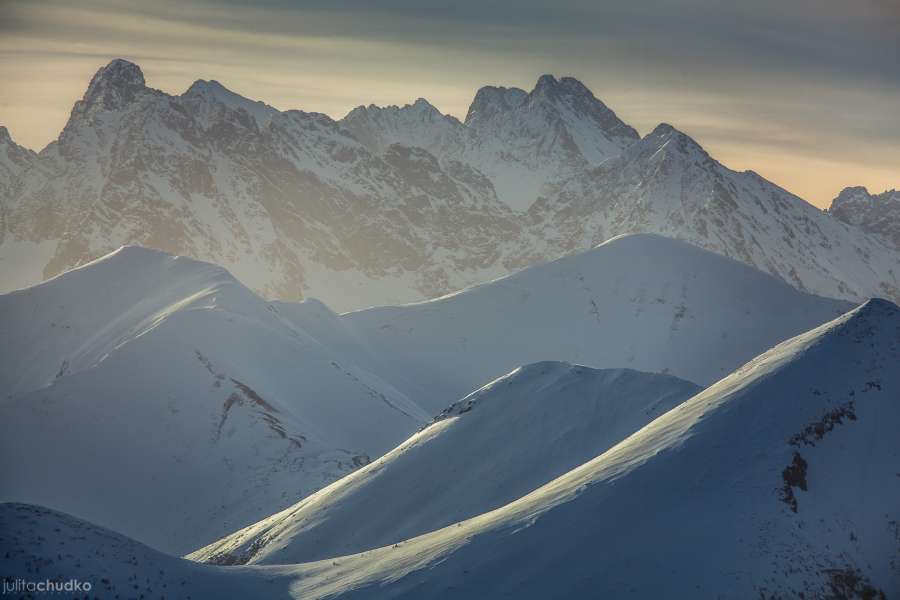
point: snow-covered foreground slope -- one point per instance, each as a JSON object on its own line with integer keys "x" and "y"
{"x": 41, "y": 545}
{"x": 642, "y": 301}
{"x": 164, "y": 382}
{"x": 778, "y": 480}
{"x": 494, "y": 446}
{"x": 158, "y": 396}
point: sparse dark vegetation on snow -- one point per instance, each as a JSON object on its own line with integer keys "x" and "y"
{"x": 794, "y": 475}
{"x": 817, "y": 430}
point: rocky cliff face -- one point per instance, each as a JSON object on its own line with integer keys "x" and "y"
{"x": 394, "y": 204}
{"x": 877, "y": 214}
{"x": 286, "y": 200}
{"x": 667, "y": 184}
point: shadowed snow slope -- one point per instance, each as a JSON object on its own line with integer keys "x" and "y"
{"x": 41, "y": 544}
{"x": 496, "y": 445}
{"x": 640, "y": 301}
{"x": 158, "y": 396}
{"x": 779, "y": 479}
{"x": 164, "y": 382}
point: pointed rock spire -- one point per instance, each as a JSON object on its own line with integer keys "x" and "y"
{"x": 115, "y": 85}
{"x": 491, "y": 100}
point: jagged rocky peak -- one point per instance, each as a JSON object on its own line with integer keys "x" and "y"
{"x": 492, "y": 100}
{"x": 13, "y": 158}
{"x": 666, "y": 137}
{"x": 119, "y": 72}
{"x": 213, "y": 92}
{"x": 548, "y": 84}
{"x": 572, "y": 93}
{"x": 202, "y": 87}
{"x": 420, "y": 110}
{"x": 857, "y": 198}
{"x": 115, "y": 84}
{"x": 423, "y": 105}
{"x": 877, "y": 214}
{"x": 417, "y": 124}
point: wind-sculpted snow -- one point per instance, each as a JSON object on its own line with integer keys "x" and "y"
{"x": 692, "y": 505}
{"x": 164, "y": 382}
{"x": 641, "y": 301}
{"x": 494, "y": 446}
{"x": 158, "y": 396}
{"x": 395, "y": 204}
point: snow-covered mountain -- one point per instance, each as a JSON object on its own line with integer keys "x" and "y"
{"x": 42, "y": 545}
{"x": 395, "y": 204}
{"x": 19, "y": 266}
{"x": 878, "y": 214}
{"x": 777, "y": 481}
{"x": 289, "y": 201}
{"x": 14, "y": 160}
{"x": 527, "y": 143}
{"x": 668, "y": 184}
{"x": 639, "y": 301}
{"x": 165, "y": 382}
{"x": 494, "y": 446}
{"x": 158, "y": 396}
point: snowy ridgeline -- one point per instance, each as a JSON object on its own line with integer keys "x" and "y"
{"x": 183, "y": 407}
{"x": 398, "y": 204}
{"x": 779, "y": 480}
{"x": 496, "y": 445}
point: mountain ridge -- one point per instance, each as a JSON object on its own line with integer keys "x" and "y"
{"x": 180, "y": 404}
{"x": 877, "y": 214}
{"x": 727, "y": 460}
{"x": 768, "y": 457}
{"x": 392, "y": 205}
{"x": 554, "y": 416}
{"x": 196, "y": 393}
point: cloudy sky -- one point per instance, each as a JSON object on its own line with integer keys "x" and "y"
{"x": 806, "y": 92}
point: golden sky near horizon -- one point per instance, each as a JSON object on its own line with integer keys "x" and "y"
{"x": 812, "y": 103}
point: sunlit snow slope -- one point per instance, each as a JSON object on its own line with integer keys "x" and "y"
{"x": 780, "y": 479}
{"x": 158, "y": 396}
{"x": 777, "y": 481}
{"x": 492, "y": 447}
{"x": 163, "y": 382}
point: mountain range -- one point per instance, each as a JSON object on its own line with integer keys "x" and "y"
{"x": 777, "y": 481}
{"x": 551, "y": 418}
{"x": 247, "y": 352}
{"x": 180, "y": 405}
{"x": 396, "y": 204}
{"x": 183, "y": 407}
